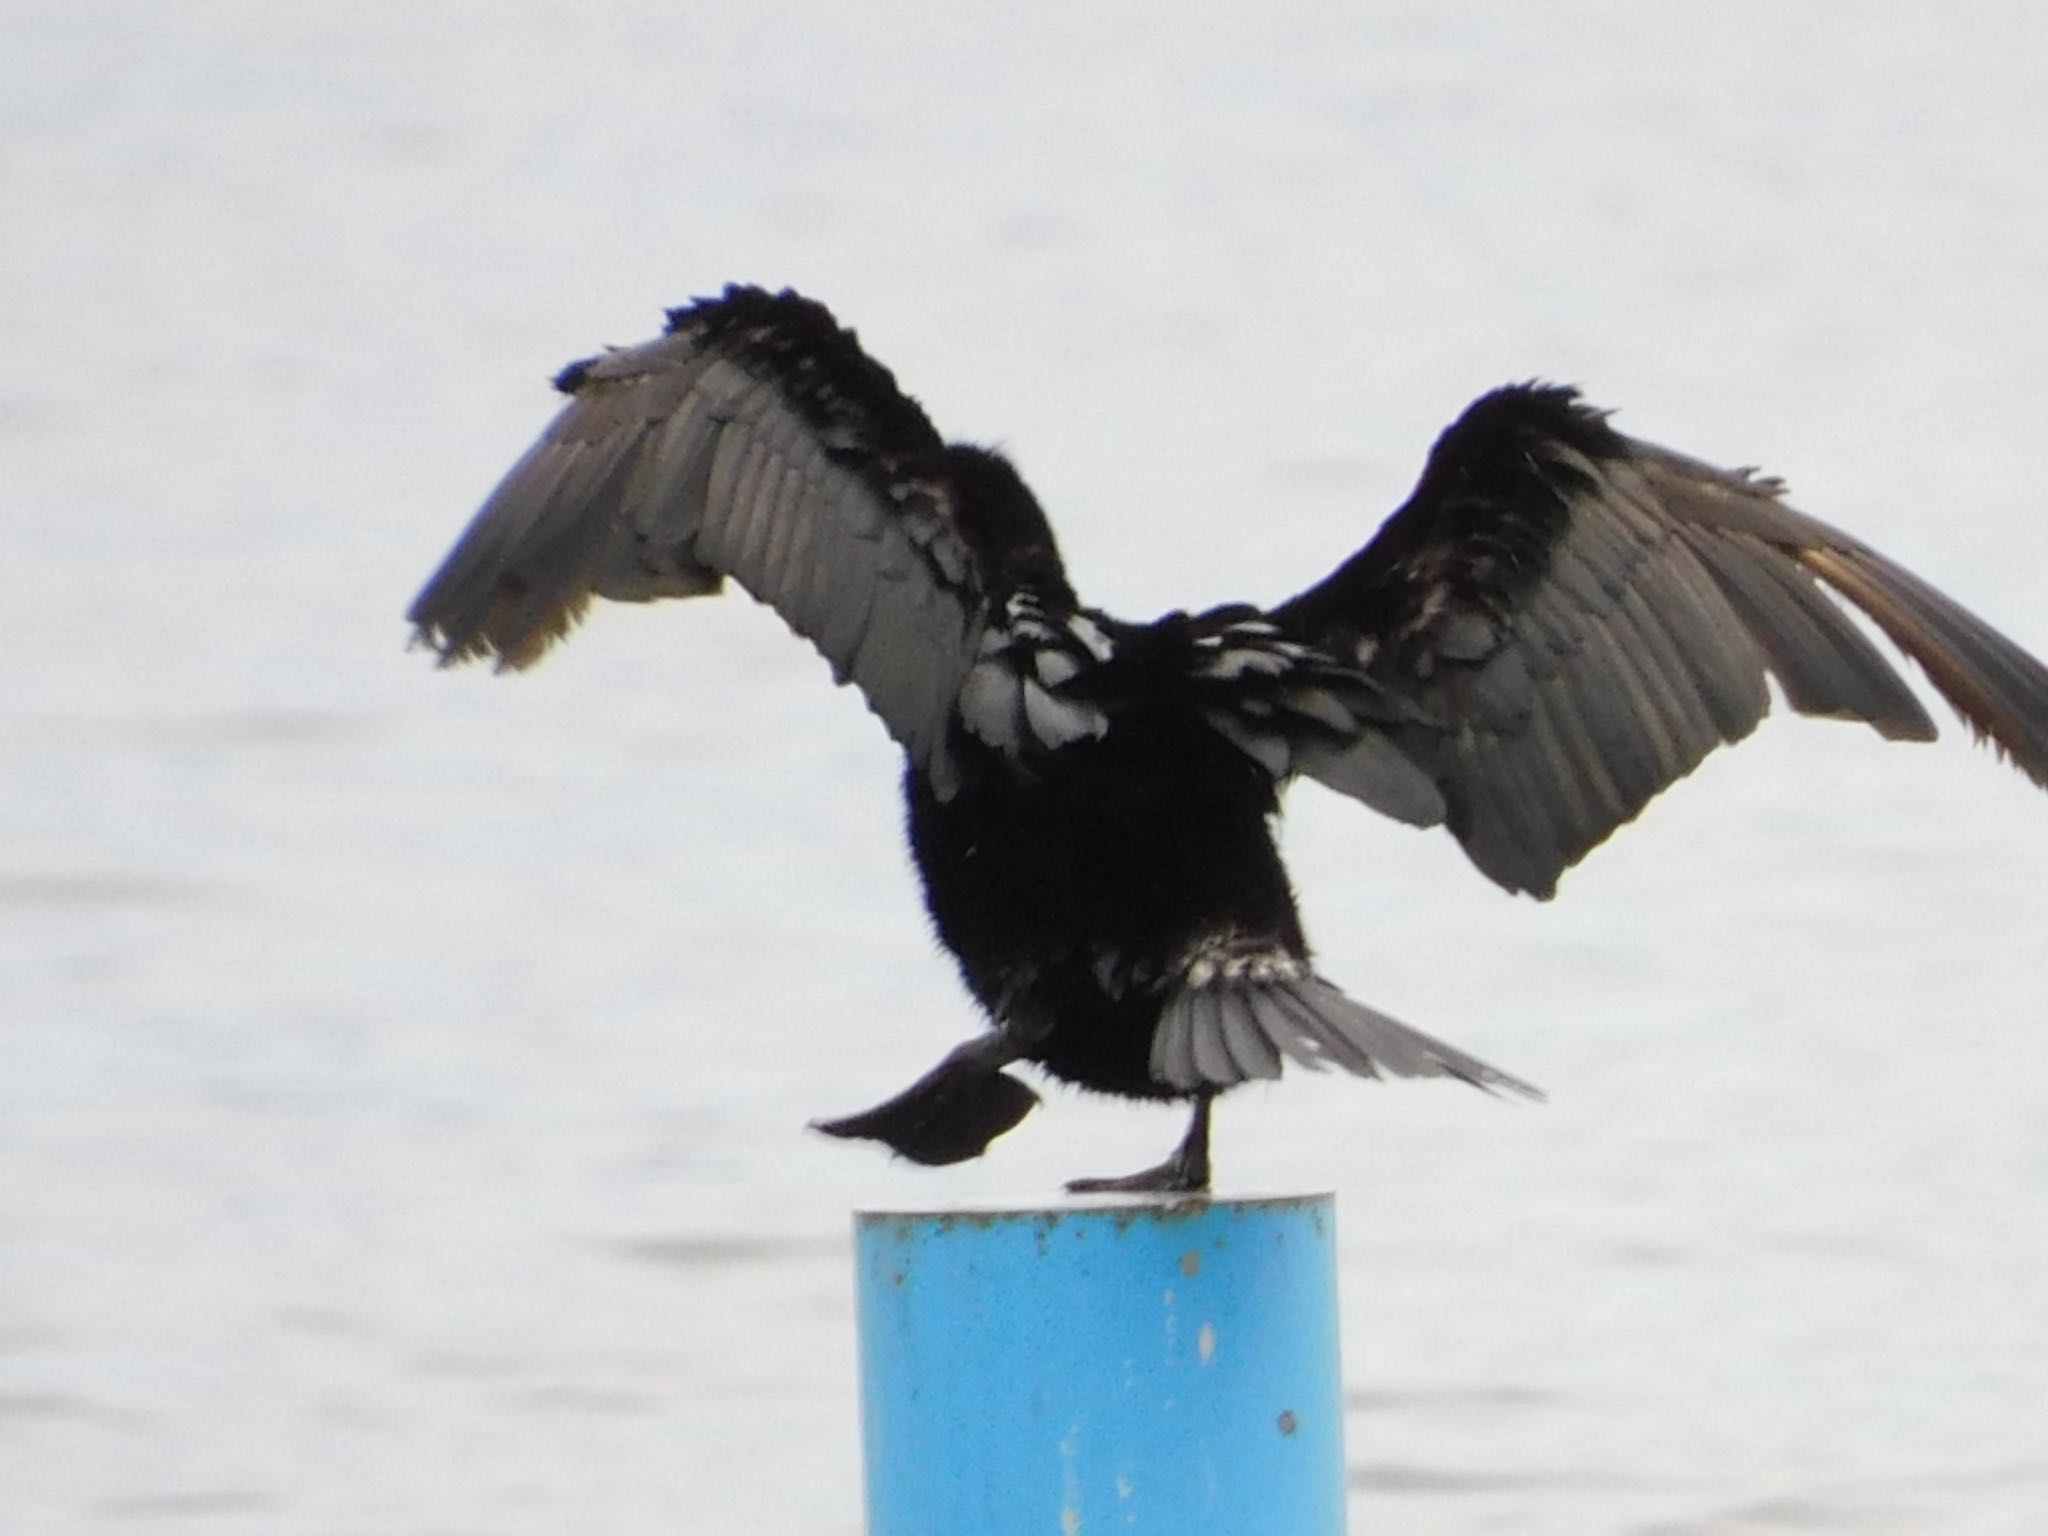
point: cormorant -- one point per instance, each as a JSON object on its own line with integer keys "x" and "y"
{"x": 1559, "y": 622}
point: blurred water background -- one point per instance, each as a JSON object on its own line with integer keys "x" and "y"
{"x": 402, "y": 1074}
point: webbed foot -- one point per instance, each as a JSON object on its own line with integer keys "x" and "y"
{"x": 949, "y": 1115}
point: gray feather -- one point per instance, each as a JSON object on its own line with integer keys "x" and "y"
{"x": 1233, "y": 1030}
{"x": 1173, "y": 1045}
{"x": 1212, "y": 1059}
{"x": 1252, "y": 1051}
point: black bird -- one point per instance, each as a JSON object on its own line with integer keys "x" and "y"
{"x": 1558, "y": 623}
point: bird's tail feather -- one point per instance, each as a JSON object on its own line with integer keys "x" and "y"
{"x": 1231, "y": 1030}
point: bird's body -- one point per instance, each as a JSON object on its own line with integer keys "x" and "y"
{"x": 1559, "y": 623}
{"x": 1073, "y": 899}
{"x": 1072, "y": 902}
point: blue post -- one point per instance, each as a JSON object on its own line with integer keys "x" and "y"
{"x": 1167, "y": 1369}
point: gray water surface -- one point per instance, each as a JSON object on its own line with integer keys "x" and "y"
{"x": 402, "y": 1074}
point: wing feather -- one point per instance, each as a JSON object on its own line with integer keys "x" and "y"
{"x": 1822, "y": 662}
{"x": 1576, "y": 619}
{"x": 754, "y": 441}
{"x": 1994, "y": 686}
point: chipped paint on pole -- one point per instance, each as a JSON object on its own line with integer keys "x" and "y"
{"x": 1138, "y": 1367}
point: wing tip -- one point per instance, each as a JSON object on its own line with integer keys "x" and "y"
{"x": 504, "y": 634}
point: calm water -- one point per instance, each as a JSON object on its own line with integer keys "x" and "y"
{"x": 402, "y": 1074}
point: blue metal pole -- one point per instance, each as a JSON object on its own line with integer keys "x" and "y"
{"x": 1167, "y": 1369}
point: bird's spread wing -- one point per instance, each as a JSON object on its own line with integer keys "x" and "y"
{"x": 755, "y": 440}
{"x": 1577, "y": 618}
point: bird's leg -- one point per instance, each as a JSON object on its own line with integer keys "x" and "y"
{"x": 951, "y": 1113}
{"x": 1184, "y": 1173}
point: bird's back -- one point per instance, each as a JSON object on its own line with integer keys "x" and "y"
{"x": 1075, "y": 894}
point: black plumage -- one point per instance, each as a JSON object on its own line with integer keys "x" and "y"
{"x": 1558, "y": 623}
